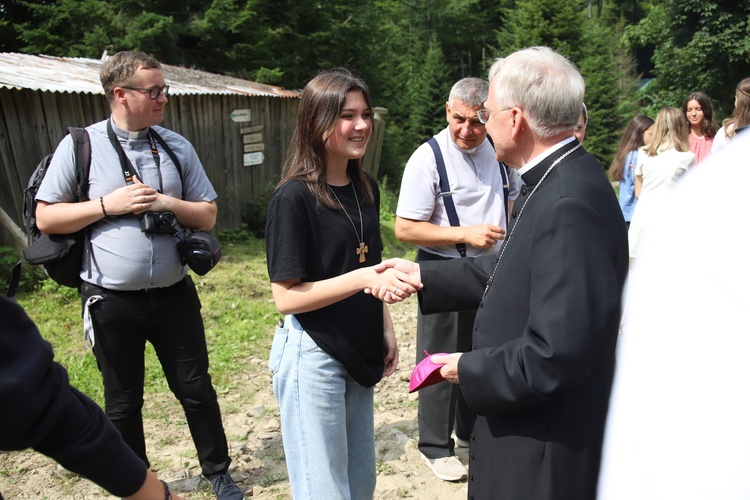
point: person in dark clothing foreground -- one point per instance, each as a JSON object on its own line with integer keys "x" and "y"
{"x": 42, "y": 411}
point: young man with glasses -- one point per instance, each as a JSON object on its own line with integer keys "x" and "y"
{"x": 478, "y": 187}
{"x": 135, "y": 287}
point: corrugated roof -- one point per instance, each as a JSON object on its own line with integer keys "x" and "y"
{"x": 79, "y": 75}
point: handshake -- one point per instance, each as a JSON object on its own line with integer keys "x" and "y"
{"x": 398, "y": 279}
{"x": 394, "y": 280}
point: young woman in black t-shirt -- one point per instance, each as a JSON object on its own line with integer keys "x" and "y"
{"x": 322, "y": 237}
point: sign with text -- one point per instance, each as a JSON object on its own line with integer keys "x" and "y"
{"x": 258, "y": 146}
{"x": 249, "y": 159}
{"x": 251, "y": 130}
{"x": 251, "y": 138}
{"x": 240, "y": 115}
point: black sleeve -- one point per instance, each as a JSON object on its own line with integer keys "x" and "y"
{"x": 454, "y": 284}
{"x": 42, "y": 411}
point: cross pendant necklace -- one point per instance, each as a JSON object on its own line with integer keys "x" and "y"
{"x": 361, "y": 249}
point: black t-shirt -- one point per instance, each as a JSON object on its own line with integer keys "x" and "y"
{"x": 311, "y": 242}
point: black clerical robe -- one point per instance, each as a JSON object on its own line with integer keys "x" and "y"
{"x": 541, "y": 369}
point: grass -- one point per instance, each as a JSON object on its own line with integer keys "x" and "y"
{"x": 238, "y": 312}
{"x": 239, "y": 316}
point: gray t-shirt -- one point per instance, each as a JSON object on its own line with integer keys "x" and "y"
{"x": 125, "y": 258}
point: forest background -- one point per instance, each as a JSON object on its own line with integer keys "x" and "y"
{"x": 636, "y": 55}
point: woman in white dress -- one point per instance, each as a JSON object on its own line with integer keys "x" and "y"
{"x": 663, "y": 161}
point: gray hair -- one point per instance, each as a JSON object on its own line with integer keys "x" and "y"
{"x": 545, "y": 84}
{"x": 471, "y": 91}
{"x": 495, "y": 68}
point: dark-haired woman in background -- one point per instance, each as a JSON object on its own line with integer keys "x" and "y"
{"x": 637, "y": 134}
{"x": 699, "y": 113}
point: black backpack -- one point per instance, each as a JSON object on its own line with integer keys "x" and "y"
{"x": 60, "y": 254}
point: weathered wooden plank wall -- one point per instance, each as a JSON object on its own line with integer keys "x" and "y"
{"x": 32, "y": 123}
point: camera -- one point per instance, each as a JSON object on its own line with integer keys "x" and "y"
{"x": 158, "y": 222}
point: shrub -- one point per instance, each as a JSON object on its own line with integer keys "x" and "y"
{"x": 254, "y": 216}
{"x": 30, "y": 275}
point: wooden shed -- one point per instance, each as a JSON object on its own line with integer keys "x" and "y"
{"x": 240, "y": 129}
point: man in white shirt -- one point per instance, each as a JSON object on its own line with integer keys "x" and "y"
{"x": 482, "y": 191}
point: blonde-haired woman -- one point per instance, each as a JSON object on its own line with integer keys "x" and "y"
{"x": 666, "y": 158}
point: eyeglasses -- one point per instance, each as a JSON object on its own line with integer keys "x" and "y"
{"x": 484, "y": 114}
{"x": 153, "y": 92}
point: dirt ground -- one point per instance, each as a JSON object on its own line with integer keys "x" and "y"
{"x": 251, "y": 420}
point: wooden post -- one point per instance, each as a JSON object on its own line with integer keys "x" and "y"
{"x": 19, "y": 238}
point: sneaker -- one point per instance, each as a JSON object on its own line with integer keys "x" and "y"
{"x": 225, "y": 488}
{"x": 446, "y": 468}
{"x": 460, "y": 443}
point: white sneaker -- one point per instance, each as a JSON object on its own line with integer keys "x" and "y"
{"x": 446, "y": 468}
{"x": 460, "y": 443}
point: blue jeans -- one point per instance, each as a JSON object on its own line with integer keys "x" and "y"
{"x": 327, "y": 422}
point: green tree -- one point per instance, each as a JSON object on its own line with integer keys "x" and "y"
{"x": 611, "y": 81}
{"x": 610, "y": 89}
{"x": 698, "y": 45}
{"x": 588, "y": 37}
{"x": 557, "y": 24}
{"x": 69, "y": 28}
{"x": 409, "y": 51}
{"x": 13, "y": 13}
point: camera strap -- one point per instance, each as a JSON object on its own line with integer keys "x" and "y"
{"x": 128, "y": 170}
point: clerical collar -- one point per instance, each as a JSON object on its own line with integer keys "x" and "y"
{"x": 125, "y": 134}
{"x": 539, "y": 158}
{"x": 467, "y": 151}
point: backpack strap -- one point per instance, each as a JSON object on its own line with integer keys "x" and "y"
{"x": 445, "y": 191}
{"x": 82, "y": 149}
{"x": 15, "y": 279}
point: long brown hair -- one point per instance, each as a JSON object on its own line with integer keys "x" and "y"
{"x": 631, "y": 139}
{"x": 670, "y": 131}
{"x": 319, "y": 109}
{"x": 741, "y": 115}
{"x": 709, "y": 126}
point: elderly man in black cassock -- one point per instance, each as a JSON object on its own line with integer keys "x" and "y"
{"x": 540, "y": 372}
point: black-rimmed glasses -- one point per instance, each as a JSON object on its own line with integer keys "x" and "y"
{"x": 153, "y": 92}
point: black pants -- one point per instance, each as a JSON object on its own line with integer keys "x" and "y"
{"x": 170, "y": 319}
{"x": 443, "y": 404}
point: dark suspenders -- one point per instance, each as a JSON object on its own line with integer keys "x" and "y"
{"x": 447, "y": 195}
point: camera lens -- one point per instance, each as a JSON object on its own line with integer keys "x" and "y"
{"x": 167, "y": 219}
